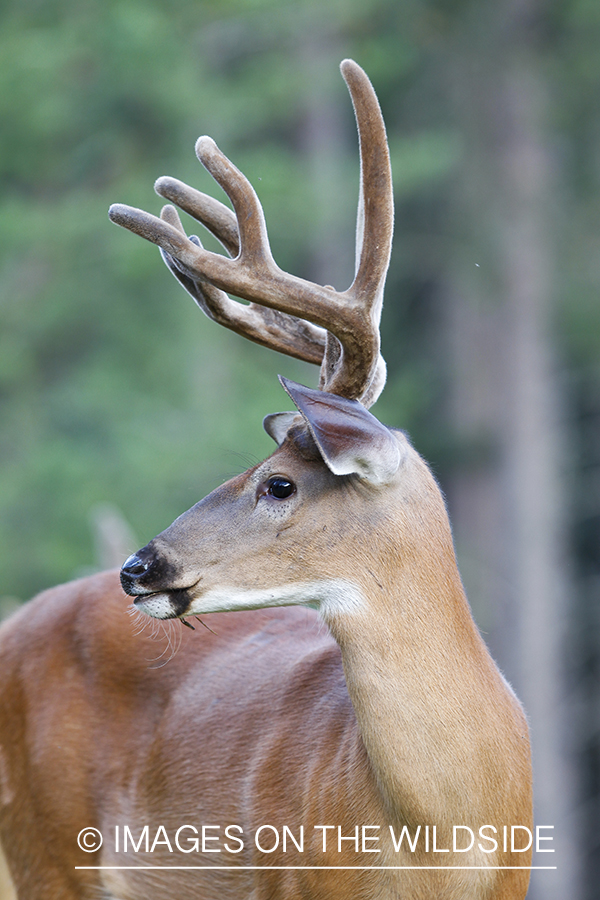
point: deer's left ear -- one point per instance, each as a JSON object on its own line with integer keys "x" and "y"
{"x": 277, "y": 425}
{"x": 351, "y": 440}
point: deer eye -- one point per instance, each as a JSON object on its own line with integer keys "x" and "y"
{"x": 279, "y": 487}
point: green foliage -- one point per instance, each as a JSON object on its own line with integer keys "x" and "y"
{"x": 113, "y": 388}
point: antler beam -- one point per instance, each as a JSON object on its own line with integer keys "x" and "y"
{"x": 286, "y": 313}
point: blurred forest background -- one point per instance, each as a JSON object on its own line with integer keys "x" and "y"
{"x": 121, "y": 405}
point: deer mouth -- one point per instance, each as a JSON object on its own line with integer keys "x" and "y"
{"x": 163, "y": 604}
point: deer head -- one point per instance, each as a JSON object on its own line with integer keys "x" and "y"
{"x": 338, "y": 330}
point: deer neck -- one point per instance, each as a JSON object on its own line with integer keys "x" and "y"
{"x": 425, "y": 690}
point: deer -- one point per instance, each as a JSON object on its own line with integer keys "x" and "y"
{"x": 339, "y": 729}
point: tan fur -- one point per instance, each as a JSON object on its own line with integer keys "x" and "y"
{"x": 7, "y": 890}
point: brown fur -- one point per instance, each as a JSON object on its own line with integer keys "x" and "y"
{"x": 402, "y": 719}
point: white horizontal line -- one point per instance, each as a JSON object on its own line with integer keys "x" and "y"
{"x": 270, "y": 868}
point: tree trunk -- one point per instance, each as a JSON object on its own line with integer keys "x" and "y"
{"x": 509, "y": 506}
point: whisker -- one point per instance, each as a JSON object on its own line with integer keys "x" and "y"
{"x": 172, "y": 646}
{"x": 205, "y": 625}
{"x": 159, "y": 628}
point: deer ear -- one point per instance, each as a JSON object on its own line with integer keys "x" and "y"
{"x": 277, "y": 425}
{"x": 350, "y": 439}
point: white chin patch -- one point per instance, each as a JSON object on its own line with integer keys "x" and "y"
{"x": 330, "y": 597}
{"x": 156, "y": 605}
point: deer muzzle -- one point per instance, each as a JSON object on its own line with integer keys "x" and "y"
{"x": 149, "y": 578}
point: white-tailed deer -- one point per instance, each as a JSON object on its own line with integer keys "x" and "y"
{"x": 378, "y": 755}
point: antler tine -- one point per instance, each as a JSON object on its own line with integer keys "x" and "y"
{"x": 352, "y": 365}
{"x": 268, "y": 327}
{"x": 252, "y": 228}
{"x": 374, "y": 228}
{"x": 375, "y": 221}
{"x": 214, "y": 215}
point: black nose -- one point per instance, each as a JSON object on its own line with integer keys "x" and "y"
{"x": 148, "y": 571}
{"x": 134, "y": 569}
